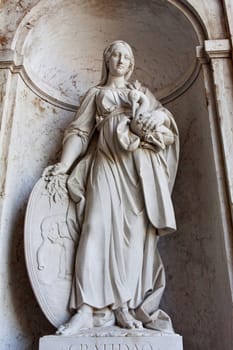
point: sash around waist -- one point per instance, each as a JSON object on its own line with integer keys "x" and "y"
{"x": 102, "y": 118}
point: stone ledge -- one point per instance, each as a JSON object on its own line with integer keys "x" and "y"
{"x": 156, "y": 342}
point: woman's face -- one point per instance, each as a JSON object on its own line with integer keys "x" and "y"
{"x": 120, "y": 60}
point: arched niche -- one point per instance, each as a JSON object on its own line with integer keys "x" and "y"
{"x": 56, "y": 49}
{"x": 60, "y": 44}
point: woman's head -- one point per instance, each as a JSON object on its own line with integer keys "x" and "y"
{"x": 110, "y": 51}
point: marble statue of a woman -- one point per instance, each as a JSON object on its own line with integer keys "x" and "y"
{"x": 122, "y": 148}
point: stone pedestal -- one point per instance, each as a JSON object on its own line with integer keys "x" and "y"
{"x": 156, "y": 342}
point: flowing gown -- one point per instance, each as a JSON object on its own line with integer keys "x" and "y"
{"x": 123, "y": 203}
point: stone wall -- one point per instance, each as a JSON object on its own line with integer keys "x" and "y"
{"x": 51, "y": 53}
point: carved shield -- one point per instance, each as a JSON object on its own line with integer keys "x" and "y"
{"x": 51, "y": 238}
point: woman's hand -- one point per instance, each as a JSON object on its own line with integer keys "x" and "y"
{"x": 55, "y": 182}
{"x": 54, "y": 170}
{"x": 155, "y": 120}
{"x": 150, "y": 124}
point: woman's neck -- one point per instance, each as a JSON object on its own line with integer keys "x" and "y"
{"x": 116, "y": 82}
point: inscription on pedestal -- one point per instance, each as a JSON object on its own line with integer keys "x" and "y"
{"x": 158, "y": 342}
{"x": 103, "y": 346}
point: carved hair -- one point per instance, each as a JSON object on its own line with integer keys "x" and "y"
{"x": 106, "y": 57}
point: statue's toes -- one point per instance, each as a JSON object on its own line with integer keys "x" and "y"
{"x": 67, "y": 331}
{"x": 138, "y": 324}
{"x": 62, "y": 330}
{"x": 129, "y": 325}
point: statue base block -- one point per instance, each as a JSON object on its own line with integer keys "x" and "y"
{"x": 159, "y": 341}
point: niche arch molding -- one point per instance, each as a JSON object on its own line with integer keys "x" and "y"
{"x": 62, "y": 93}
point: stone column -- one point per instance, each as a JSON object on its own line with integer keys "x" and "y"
{"x": 215, "y": 56}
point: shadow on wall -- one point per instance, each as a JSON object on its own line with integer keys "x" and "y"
{"x": 26, "y": 309}
{"x": 193, "y": 257}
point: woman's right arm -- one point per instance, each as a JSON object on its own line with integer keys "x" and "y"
{"x": 77, "y": 136}
{"x": 72, "y": 149}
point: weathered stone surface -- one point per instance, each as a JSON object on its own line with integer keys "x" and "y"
{"x": 198, "y": 264}
{"x": 157, "y": 342}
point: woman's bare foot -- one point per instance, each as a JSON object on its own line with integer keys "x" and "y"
{"x": 125, "y": 320}
{"x": 81, "y": 320}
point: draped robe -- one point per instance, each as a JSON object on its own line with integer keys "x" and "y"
{"x": 123, "y": 203}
